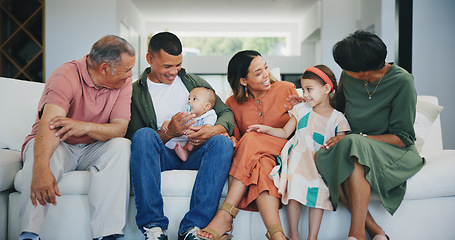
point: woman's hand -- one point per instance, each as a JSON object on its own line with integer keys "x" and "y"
{"x": 294, "y": 100}
{"x": 332, "y": 141}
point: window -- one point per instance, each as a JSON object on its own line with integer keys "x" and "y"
{"x": 218, "y": 46}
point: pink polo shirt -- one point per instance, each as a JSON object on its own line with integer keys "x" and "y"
{"x": 71, "y": 88}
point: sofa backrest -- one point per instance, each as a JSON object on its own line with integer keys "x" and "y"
{"x": 19, "y": 102}
{"x": 18, "y": 107}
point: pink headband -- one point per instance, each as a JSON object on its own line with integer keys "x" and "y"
{"x": 320, "y": 74}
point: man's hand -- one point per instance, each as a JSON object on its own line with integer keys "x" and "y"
{"x": 179, "y": 123}
{"x": 203, "y": 133}
{"x": 68, "y": 127}
{"x": 44, "y": 186}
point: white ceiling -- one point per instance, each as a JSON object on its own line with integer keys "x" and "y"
{"x": 223, "y": 10}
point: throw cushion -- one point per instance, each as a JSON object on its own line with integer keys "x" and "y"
{"x": 426, "y": 114}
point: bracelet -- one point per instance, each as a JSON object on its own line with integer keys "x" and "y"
{"x": 363, "y": 135}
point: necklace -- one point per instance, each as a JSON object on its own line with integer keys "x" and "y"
{"x": 366, "y": 85}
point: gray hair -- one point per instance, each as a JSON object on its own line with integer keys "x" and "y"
{"x": 109, "y": 49}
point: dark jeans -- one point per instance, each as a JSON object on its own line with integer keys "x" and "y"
{"x": 149, "y": 157}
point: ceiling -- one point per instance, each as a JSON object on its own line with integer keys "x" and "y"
{"x": 223, "y": 10}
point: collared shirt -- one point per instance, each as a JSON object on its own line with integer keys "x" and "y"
{"x": 71, "y": 88}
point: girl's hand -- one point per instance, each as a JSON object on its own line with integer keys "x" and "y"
{"x": 257, "y": 128}
{"x": 294, "y": 100}
{"x": 332, "y": 141}
{"x": 234, "y": 141}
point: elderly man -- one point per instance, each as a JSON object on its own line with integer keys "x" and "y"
{"x": 82, "y": 117}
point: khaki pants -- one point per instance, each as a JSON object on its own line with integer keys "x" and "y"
{"x": 108, "y": 163}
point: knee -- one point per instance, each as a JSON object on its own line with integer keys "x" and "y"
{"x": 120, "y": 144}
{"x": 252, "y": 135}
{"x": 145, "y": 135}
{"x": 222, "y": 144}
{"x": 121, "y": 149}
{"x": 351, "y": 138}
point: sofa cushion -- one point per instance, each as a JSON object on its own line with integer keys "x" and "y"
{"x": 73, "y": 183}
{"x": 19, "y": 110}
{"x": 435, "y": 179}
{"x": 10, "y": 163}
{"x": 426, "y": 114}
{"x": 175, "y": 183}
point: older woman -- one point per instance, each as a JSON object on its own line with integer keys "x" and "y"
{"x": 257, "y": 99}
{"x": 379, "y": 101}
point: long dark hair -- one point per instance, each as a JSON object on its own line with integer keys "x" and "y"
{"x": 237, "y": 69}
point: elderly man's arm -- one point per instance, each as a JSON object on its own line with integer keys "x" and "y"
{"x": 68, "y": 127}
{"x": 44, "y": 185}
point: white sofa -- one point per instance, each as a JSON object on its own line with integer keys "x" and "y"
{"x": 428, "y": 211}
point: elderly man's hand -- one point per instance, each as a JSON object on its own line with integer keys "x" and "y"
{"x": 44, "y": 187}
{"x": 68, "y": 127}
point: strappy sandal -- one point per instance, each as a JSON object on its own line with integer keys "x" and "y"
{"x": 381, "y": 237}
{"x": 274, "y": 229}
{"x": 229, "y": 209}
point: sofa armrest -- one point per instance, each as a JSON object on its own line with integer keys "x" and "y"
{"x": 10, "y": 164}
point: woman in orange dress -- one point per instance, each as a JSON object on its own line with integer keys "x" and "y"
{"x": 257, "y": 99}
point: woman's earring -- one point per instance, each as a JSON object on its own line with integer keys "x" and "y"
{"x": 246, "y": 91}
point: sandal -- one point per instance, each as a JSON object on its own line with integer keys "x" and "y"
{"x": 381, "y": 237}
{"x": 274, "y": 229}
{"x": 229, "y": 209}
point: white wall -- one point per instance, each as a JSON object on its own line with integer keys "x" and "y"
{"x": 131, "y": 27}
{"x": 329, "y": 21}
{"x": 387, "y": 27}
{"x": 339, "y": 19}
{"x": 433, "y": 58}
{"x": 72, "y": 27}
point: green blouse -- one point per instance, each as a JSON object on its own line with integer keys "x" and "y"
{"x": 391, "y": 109}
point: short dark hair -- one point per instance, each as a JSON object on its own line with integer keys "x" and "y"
{"x": 167, "y": 42}
{"x": 361, "y": 51}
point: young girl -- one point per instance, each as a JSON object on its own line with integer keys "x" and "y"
{"x": 314, "y": 121}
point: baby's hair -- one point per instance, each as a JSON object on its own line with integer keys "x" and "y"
{"x": 314, "y": 76}
{"x": 211, "y": 95}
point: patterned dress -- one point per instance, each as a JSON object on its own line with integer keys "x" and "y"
{"x": 298, "y": 179}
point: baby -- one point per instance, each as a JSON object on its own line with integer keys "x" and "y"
{"x": 200, "y": 102}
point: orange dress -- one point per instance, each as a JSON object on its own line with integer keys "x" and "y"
{"x": 254, "y": 155}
